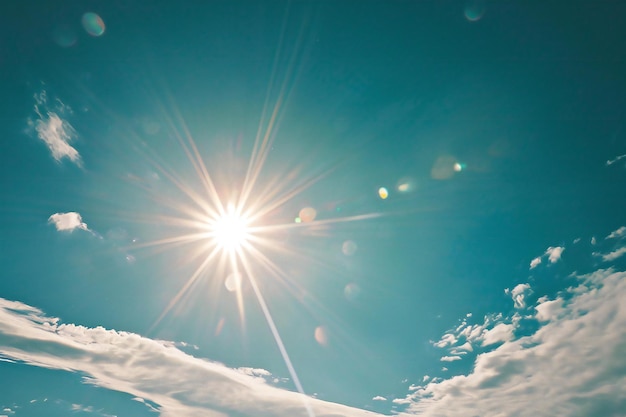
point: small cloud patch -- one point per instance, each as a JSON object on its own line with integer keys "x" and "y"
{"x": 68, "y": 222}
{"x": 553, "y": 253}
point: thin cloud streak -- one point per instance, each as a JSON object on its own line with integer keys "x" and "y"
{"x": 621, "y": 232}
{"x": 614, "y": 160}
{"x": 180, "y": 384}
{"x": 611, "y": 256}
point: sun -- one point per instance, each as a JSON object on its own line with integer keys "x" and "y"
{"x": 230, "y": 230}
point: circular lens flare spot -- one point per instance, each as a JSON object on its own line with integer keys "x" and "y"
{"x": 307, "y": 214}
{"x": 352, "y": 291}
{"x": 233, "y": 282}
{"x": 383, "y": 193}
{"x": 349, "y": 248}
{"x": 321, "y": 335}
{"x": 93, "y": 24}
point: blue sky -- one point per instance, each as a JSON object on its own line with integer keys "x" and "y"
{"x": 431, "y": 198}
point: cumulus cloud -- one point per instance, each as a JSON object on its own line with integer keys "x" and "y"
{"x": 68, "y": 221}
{"x": 500, "y": 333}
{"x": 448, "y": 339}
{"x": 379, "y": 398}
{"x": 53, "y": 130}
{"x": 554, "y": 253}
{"x": 179, "y": 384}
{"x": 518, "y": 295}
{"x": 548, "y": 309}
{"x": 572, "y": 366}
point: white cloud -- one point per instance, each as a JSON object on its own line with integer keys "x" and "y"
{"x": 180, "y": 384}
{"x": 379, "y": 398}
{"x": 616, "y": 159}
{"x": 425, "y": 378}
{"x": 53, "y": 130}
{"x": 518, "y": 295}
{"x": 548, "y": 309}
{"x": 554, "y": 253}
{"x": 611, "y": 256}
{"x": 450, "y": 358}
{"x": 500, "y": 333}
{"x": 593, "y": 240}
{"x": 466, "y": 346}
{"x": 447, "y": 339}
{"x": 68, "y": 221}
{"x": 535, "y": 262}
{"x": 572, "y": 366}
{"x": 617, "y": 233}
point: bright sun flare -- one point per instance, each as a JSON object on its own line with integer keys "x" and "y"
{"x": 230, "y": 231}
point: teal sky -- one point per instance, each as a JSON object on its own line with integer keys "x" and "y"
{"x": 433, "y": 191}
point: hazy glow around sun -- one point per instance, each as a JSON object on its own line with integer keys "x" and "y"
{"x": 230, "y": 230}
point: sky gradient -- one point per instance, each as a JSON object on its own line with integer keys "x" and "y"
{"x": 431, "y": 197}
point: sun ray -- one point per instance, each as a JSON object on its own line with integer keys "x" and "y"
{"x": 195, "y": 158}
{"x": 257, "y": 161}
{"x": 232, "y": 235}
{"x": 252, "y": 161}
{"x": 192, "y": 280}
{"x": 277, "y": 338}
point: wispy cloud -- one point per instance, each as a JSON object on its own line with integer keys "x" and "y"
{"x": 53, "y": 130}
{"x": 621, "y": 232}
{"x": 570, "y": 366}
{"x": 616, "y": 159}
{"x": 179, "y": 384}
{"x": 611, "y": 256}
{"x": 450, "y": 358}
{"x": 68, "y": 222}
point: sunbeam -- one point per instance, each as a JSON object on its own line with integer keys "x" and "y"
{"x": 229, "y": 228}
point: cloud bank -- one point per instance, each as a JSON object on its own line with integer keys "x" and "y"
{"x": 181, "y": 385}
{"x": 572, "y": 365}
